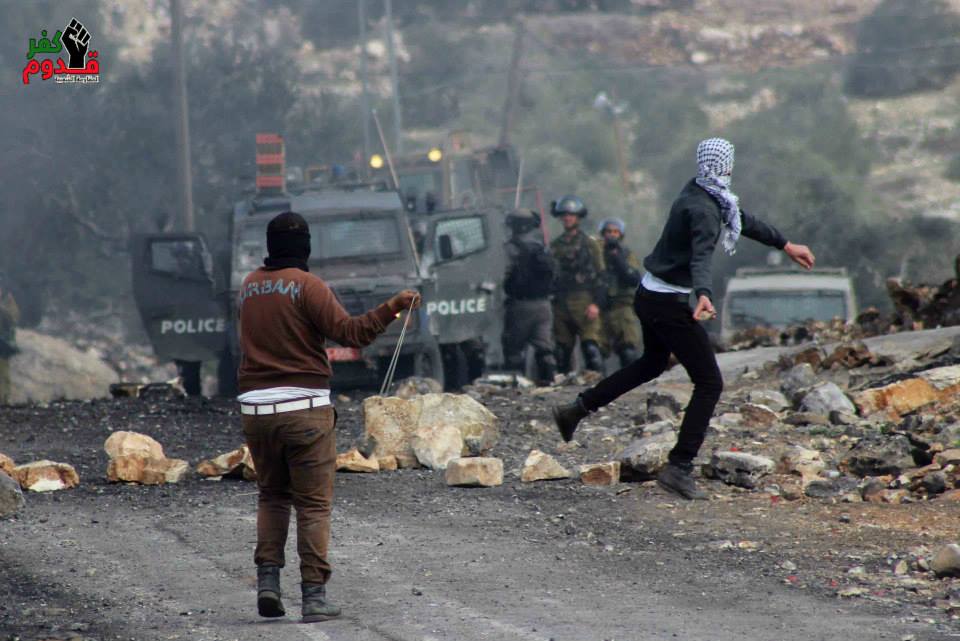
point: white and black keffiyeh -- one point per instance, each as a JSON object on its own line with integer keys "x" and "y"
{"x": 714, "y": 168}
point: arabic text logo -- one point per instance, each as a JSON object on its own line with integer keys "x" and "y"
{"x": 75, "y": 40}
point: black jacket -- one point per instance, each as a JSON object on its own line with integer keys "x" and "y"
{"x": 684, "y": 253}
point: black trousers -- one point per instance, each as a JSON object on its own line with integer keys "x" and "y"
{"x": 669, "y": 328}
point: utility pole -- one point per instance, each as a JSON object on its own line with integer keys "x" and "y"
{"x": 391, "y": 55}
{"x": 185, "y": 177}
{"x": 365, "y": 96}
{"x": 513, "y": 85}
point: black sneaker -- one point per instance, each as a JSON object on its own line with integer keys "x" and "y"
{"x": 568, "y": 416}
{"x": 680, "y": 482}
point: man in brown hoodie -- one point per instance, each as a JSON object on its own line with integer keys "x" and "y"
{"x": 286, "y": 316}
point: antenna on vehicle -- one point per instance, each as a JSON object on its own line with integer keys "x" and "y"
{"x": 386, "y": 150}
{"x": 396, "y": 183}
{"x": 516, "y": 198}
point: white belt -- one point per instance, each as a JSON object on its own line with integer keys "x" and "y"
{"x": 259, "y": 409}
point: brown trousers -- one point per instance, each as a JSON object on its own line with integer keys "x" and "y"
{"x": 295, "y": 455}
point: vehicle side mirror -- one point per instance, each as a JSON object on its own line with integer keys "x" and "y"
{"x": 446, "y": 247}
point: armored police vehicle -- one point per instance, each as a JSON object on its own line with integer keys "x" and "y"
{"x": 365, "y": 248}
{"x": 781, "y": 297}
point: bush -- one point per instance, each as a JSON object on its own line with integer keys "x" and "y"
{"x": 904, "y": 46}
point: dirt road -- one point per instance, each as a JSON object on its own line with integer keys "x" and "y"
{"x": 416, "y": 560}
{"x": 411, "y": 563}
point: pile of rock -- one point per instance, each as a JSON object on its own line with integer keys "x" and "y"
{"x": 449, "y": 432}
{"x": 916, "y": 307}
{"x": 137, "y": 458}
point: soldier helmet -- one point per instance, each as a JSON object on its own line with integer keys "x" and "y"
{"x": 612, "y": 222}
{"x": 523, "y": 221}
{"x": 568, "y": 205}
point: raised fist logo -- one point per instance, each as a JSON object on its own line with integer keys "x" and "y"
{"x": 75, "y": 40}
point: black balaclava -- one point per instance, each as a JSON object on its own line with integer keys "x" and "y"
{"x": 288, "y": 242}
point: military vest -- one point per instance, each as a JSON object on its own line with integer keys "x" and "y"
{"x": 579, "y": 263}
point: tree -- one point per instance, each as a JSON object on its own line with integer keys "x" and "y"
{"x": 905, "y": 46}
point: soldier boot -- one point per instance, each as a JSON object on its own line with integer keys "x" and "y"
{"x": 564, "y": 356}
{"x": 546, "y": 367}
{"x": 593, "y": 356}
{"x": 628, "y": 354}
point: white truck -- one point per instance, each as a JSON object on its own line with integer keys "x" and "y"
{"x": 779, "y": 297}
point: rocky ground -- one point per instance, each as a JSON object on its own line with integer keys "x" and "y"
{"x": 837, "y": 539}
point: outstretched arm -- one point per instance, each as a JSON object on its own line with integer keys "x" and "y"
{"x": 760, "y": 231}
{"x": 765, "y": 233}
{"x": 800, "y": 254}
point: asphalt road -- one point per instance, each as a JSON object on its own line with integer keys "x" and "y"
{"x": 411, "y": 563}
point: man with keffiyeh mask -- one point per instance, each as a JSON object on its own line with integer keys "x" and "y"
{"x": 705, "y": 212}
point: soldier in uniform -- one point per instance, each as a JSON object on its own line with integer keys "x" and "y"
{"x": 580, "y": 287}
{"x": 9, "y": 317}
{"x": 528, "y": 317}
{"x": 621, "y": 330}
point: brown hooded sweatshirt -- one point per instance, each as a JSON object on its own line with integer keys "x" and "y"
{"x": 286, "y": 317}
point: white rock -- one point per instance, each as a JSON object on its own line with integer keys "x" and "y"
{"x": 122, "y": 443}
{"x": 391, "y": 423}
{"x": 436, "y": 445}
{"x": 146, "y": 470}
{"x": 239, "y": 462}
{"x": 475, "y": 472}
{"x": 773, "y": 399}
{"x": 387, "y": 463}
{"x": 353, "y": 461}
{"x": 946, "y": 562}
{"x": 659, "y": 427}
{"x": 477, "y": 424}
{"x": 738, "y": 468}
{"x": 797, "y": 378}
{"x": 942, "y": 378}
{"x": 756, "y": 415}
{"x": 540, "y": 466}
{"x": 643, "y": 459}
{"x": 46, "y": 476}
{"x": 826, "y": 398}
{"x": 801, "y": 461}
